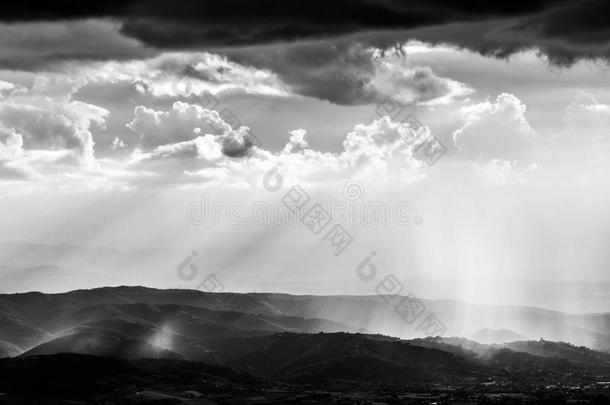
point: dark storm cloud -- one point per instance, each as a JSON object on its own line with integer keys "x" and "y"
{"x": 239, "y": 22}
{"x": 564, "y": 30}
{"x": 357, "y": 14}
{"x": 337, "y": 71}
{"x": 571, "y": 31}
{"x": 169, "y": 23}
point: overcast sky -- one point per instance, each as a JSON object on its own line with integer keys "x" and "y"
{"x": 117, "y": 118}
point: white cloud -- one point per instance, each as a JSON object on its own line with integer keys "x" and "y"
{"x": 504, "y": 149}
{"x": 45, "y": 132}
{"x": 297, "y": 141}
{"x": 381, "y": 150}
{"x": 181, "y": 123}
{"x": 495, "y": 130}
{"x": 46, "y": 117}
{"x": 184, "y": 122}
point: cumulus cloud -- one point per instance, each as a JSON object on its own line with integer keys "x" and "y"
{"x": 45, "y": 117}
{"x": 383, "y": 147}
{"x": 495, "y": 130}
{"x": 380, "y": 150}
{"x": 183, "y": 122}
{"x": 297, "y": 141}
{"x": 502, "y": 148}
{"x": 187, "y": 144}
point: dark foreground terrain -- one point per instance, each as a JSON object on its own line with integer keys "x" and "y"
{"x": 85, "y": 379}
{"x": 140, "y": 346}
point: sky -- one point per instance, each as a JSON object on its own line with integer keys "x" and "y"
{"x": 467, "y": 144}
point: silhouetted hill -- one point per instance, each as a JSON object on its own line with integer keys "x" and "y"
{"x": 522, "y": 354}
{"x": 77, "y": 375}
{"x": 325, "y": 355}
{"x": 458, "y": 346}
{"x": 578, "y": 354}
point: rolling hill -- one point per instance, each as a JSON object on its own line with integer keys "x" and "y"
{"x": 33, "y": 318}
{"x": 176, "y": 345}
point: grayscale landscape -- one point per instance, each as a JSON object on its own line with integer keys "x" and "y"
{"x": 304, "y": 202}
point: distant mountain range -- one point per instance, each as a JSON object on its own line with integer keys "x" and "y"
{"x": 31, "y": 319}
